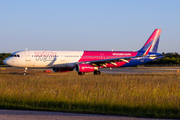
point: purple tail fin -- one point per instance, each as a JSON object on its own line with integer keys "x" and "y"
{"x": 152, "y": 43}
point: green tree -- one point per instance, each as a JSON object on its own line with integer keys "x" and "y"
{"x": 3, "y": 56}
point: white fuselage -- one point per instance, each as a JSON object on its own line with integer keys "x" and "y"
{"x": 41, "y": 59}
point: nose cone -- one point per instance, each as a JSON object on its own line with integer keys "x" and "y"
{"x": 7, "y": 61}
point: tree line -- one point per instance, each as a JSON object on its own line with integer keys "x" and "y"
{"x": 3, "y": 56}
{"x": 170, "y": 58}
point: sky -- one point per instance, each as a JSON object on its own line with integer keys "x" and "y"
{"x": 119, "y": 25}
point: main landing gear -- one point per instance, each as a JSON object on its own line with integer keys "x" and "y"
{"x": 97, "y": 72}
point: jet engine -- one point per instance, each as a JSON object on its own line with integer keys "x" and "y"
{"x": 85, "y": 68}
{"x": 62, "y": 69}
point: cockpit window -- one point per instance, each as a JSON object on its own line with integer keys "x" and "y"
{"x": 15, "y": 55}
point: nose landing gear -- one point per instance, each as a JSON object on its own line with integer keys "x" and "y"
{"x": 25, "y": 70}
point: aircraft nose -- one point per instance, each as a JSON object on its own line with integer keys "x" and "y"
{"x": 7, "y": 61}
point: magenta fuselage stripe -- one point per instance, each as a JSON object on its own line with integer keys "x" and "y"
{"x": 100, "y": 55}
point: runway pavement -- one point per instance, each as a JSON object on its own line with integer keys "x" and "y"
{"x": 126, "y": 70}
{"x": 44, "y": 115}
{"x": 133, "y": 70}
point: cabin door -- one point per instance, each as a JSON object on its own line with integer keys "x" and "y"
{"x": 27, "y": 57}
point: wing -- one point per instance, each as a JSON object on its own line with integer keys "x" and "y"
{"x": 111, "y": 61}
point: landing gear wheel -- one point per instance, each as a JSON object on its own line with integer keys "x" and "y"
{"x": 25, "y": 70}
{"x": 81, "y": 73}
{"x": 97, "y": 72}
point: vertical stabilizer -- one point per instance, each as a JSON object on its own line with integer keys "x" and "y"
{"x": 152, "y": 43}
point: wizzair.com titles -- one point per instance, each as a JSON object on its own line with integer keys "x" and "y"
{"x": 122, "y": 54}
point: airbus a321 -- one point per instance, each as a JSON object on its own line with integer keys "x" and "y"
{"x": 86, "y": 61}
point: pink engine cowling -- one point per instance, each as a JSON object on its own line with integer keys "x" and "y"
{"x": 85, "y": 68}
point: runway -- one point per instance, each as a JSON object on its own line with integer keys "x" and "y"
{"x": 125, "y": 70}
{"x": 133, "y": 70}
{"x": 44, "y": 115}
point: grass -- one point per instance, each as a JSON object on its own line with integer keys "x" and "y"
{"x": 141, "y": 95}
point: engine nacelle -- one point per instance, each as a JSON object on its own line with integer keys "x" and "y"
{"x": 85, "y": 68}
{"x": 62, "y": 69}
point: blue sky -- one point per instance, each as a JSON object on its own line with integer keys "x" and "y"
{"x": 121, "y": 25}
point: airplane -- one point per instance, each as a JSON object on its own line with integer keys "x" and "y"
{"x": 86, "y": 61}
